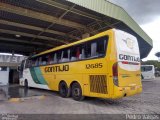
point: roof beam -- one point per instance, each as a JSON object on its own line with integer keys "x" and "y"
{"x": 23, "y": 49}
{"x": 30, "y": 27}
{"x": 9, "y": 48}
{"x": 52, "y": 24}
{"x": 73, "y": 10}
{"x": 41, "y": 16}
{"x": 16, "y": 51}
{"x": 5, "y": 22}
{"x": 31, "y": 35}
{"x": 25, "y": 42}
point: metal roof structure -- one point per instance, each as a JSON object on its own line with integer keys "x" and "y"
{"x": 28, "y": 26}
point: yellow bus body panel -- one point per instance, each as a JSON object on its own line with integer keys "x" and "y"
{"x": 78, "y": 72}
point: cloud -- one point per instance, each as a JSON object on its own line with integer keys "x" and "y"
{"x": 142, "y": 11}
{"x": 152, "y": 29}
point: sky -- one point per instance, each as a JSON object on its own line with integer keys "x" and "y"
{"x": 147, "y": 14}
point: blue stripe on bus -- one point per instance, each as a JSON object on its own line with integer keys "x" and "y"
{"x": 37, "y": 76}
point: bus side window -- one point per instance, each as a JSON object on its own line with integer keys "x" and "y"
{"x": 94, "y": 49}
{"x": 28, "y": 63}
{"x": 73, "y": 54}
{"x": 59, "y": 54}
{"x": 36, "y": 62}
{"x": 65, "y": 55}
{"x": 32, "y": 62}
{"x": 83, "y": 53}
{"x": 48, "y": 59}
{"x": 55, "y": 59}
{"x": 87, "y": 50}
{"x": 44, "y": 60}
{"x": 101, "y": 47}
{"x": 39, "y": 61}
{"x": 78, "y": 53}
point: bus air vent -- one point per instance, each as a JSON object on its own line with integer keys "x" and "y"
{"x": 98, "y": 84}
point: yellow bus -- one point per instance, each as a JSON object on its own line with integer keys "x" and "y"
{"x": 106, "y": 65}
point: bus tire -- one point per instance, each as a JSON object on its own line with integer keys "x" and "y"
{"x": 64, "y": 91}
{"x": 77, "y": 92}
{"x": 26, "y": 83}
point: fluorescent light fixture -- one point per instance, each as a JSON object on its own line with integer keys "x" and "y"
{"x": 18, "y": 35}
{"x": 10, "y": 54}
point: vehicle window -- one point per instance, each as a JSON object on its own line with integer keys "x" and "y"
{"x": 58, "y": 55}
{"x": 94, "y": 49}
{"x": 146, "y": 68}
{"x": 36, "y": 62}
{"x": 28, "y": 63}
{"x": 101, "y": 47}
{"x": 3, "y": 68}
{"x": 44, "y": 60}
{"x": 86, "y": 50}
{"x": 76, "y": 53}
{"x": 73, "y": 54}
{"x": 48, "y": 58}
{"x": 53, "y": 58}
{"x": 65, "y": 55}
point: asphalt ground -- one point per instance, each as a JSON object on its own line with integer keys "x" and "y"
{"x": 148, "y": 102}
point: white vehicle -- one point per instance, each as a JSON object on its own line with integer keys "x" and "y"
{"x": 148, "y": 72}
{"x": 4, "y": 75}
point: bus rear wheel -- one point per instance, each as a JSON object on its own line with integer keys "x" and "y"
{"x": 64, "y": 91}
{"x": 77, "y": 92}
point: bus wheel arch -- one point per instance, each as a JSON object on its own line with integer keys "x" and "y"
{"x": 76, "y": 91}
{"x": 64, "y": 90}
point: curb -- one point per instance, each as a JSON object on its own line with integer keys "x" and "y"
{"x": 26, "y": 98}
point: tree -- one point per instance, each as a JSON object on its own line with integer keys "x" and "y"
{"x": 158, "y": 55}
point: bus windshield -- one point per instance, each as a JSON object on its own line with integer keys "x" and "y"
{"x": 146, "y": 68}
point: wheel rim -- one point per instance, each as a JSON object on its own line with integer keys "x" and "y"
{"x": 63, "y": 90}
{"x": 76, "y": 92}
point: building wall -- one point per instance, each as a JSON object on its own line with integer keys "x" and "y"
{"x": 4, "y": 77}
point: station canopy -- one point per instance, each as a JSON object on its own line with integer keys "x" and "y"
{"x": 31, "y": 26}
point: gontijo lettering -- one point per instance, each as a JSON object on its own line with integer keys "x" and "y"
{"x": 129, "y": 58}
{"x": 57, "y": 68}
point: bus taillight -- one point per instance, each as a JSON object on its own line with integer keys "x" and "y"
{"x": 115, "y": 73}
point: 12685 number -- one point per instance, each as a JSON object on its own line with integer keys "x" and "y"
{"x": 92, "y": 66}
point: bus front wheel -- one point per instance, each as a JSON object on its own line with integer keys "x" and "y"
{"x": 64, "y": 91}
{"x": 77, "y": 92}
